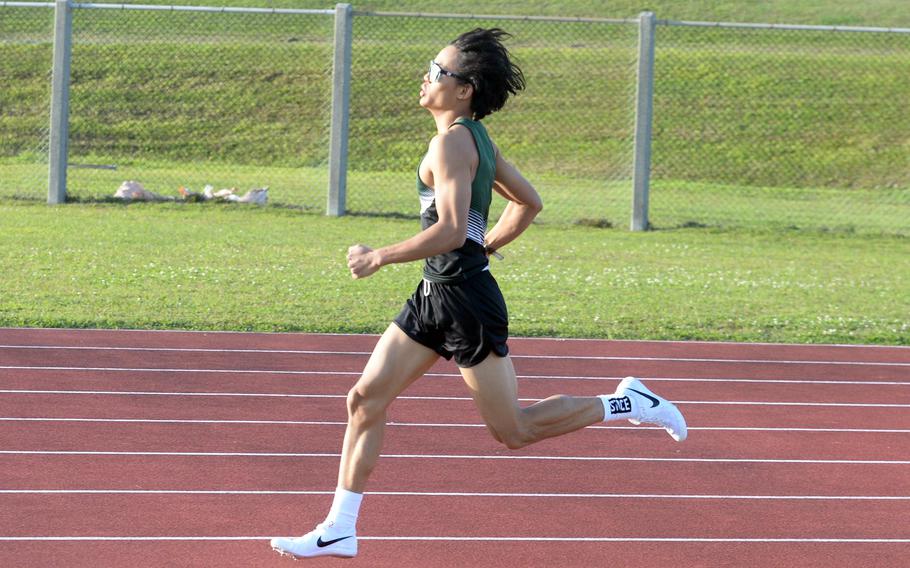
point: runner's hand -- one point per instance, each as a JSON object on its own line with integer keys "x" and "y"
{"x": 362, "y": 261}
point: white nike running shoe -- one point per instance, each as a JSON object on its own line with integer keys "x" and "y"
{"x": 317, "y": 543}
{"x": 653, "y": 409}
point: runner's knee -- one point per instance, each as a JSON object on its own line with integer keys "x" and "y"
{"x": 363, "y": 408}
{"x": 515, "y": 439}
{"x": 514, "y": 436}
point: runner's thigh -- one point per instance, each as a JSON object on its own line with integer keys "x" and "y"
{"x": 396, "y": 362}
{"x": 495, "y": 390}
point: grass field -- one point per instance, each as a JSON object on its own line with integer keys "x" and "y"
{"x": 226, "y": 267}
{"x": 756, "y": 135}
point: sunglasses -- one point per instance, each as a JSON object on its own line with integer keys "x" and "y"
{"x": 436, "y": 72}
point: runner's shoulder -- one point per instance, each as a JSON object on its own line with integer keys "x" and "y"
{"x": 456, "y": 141}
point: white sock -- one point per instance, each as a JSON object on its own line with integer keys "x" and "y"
{"x": 344, "y": 511}
{"x": 618, "y": 407}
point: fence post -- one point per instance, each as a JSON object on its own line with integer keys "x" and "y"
{"x": 341, "y": 99}
{"x": 60, "y": 103}
{"x": 644, "y": 95}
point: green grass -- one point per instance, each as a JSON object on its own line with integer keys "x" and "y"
{"x": 192, "y": 266}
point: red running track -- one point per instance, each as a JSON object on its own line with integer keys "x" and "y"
{"x": 126, "y": 448}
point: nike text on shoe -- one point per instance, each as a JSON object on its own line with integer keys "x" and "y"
{"x": 317, "y": 543}
{"x": 653, "y": 409}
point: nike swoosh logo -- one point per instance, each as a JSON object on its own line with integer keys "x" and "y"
{"x": 323, "y": 543}
{"x": 654, "y": 401}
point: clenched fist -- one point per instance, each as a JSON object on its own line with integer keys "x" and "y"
{"x": 362, "y": 261}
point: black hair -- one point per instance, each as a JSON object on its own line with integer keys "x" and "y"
{"x": 485, "y": 63}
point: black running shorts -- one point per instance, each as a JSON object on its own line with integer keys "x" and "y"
{"x": 466, "y": 320}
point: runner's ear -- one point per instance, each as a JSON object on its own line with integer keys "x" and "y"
{"x": 465, "y": 90}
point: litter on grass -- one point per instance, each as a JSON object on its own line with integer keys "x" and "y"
{"x": 134, "y": 191}
{"x": 258, "y": 196}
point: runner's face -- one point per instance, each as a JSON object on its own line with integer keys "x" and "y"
{"x": 443, "y": 93}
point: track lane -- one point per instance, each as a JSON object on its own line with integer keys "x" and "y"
{"x": 270, "y": 438}
{"x": 215, "y": 515}
{"x": 254, "y": 553}
{"x": 519, "y": 346}
{"x": 459, "y": 410}
{"x": 551, "y": 366}
{"x": 719, "y": 389}
{"x": 29, "y": 472}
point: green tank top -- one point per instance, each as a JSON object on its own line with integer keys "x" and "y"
{"x": 470, "y": 258}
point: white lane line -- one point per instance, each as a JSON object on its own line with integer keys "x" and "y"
{"x": 446, "y": 375}
{"x": 732, "y": 380}
{"x": 181, "y": 349}
{"x": 647, "y": 539}
{"x": 761, "y": 403}
{"x": 449, "y": 398}
{"x": 514, "y": 356}
{"x": 470, "y": 539}
{"x": 439, "y": 425}
{"x": 462, "y": 494}
{"x": 453, "y": 457}
{"x": 167, "y": 370}
{"x": 170, "y": 370}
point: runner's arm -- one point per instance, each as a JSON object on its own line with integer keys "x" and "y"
{"x": 450, "y": 156}
{"x": 524, "y": 204}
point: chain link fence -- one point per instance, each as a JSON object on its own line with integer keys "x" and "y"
{"x": 752, "y": 126}
{"x": 570, "y": 131}
{"x": 26, "y": 63}
{"x": 182, "y": 99}
{"x": 793, "y": 127}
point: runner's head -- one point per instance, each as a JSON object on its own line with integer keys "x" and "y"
{"x": 485, "y": 63}
{"x": 474, "y": 72}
